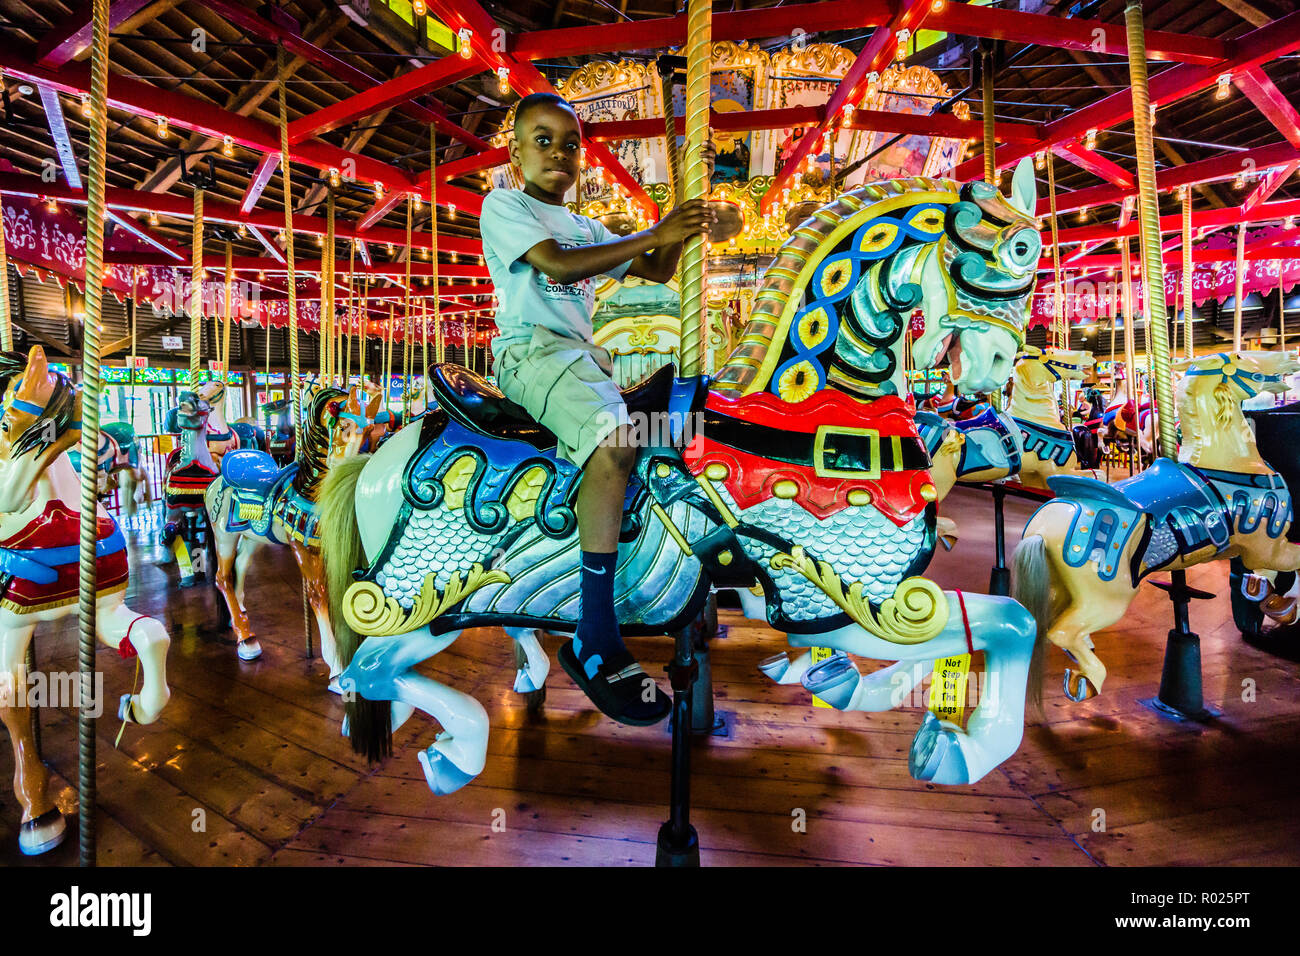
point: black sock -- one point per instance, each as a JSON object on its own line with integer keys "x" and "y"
{"x": 597, "y": 637}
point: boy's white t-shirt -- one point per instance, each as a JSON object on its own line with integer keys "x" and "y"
{"x": 512, "y": 222}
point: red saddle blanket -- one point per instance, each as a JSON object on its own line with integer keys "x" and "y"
{"x": 56, "y": 533}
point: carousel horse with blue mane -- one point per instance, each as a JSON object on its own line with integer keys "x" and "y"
{"x": 1050, "y": 448}
{"x": 279, "y": 431}
{"x": 1084, "y": 553}
{"x": 251, "y": 435}
{"x": 190, "y": 469}
{"x": 256, "y": 502}
{"x": 39, "y": 574}
{"x": 798, "y": 470}
{"x": 119, "y": 467}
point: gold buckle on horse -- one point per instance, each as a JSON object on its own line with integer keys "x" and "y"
{"x": 824, "y": 451}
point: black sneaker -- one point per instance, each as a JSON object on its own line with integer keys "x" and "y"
{"x": 618, "y": 689}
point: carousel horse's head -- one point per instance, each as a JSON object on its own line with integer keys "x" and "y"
{"x": 192, "y": 411}
{"x": 214, "y": 393}
{"x": 836, "y": 302}
{"x": 320, "y": 420}
{"x": 1039, "y": 368}
{"x": 1210, "y": 393}
{"x": 989, "y": 255}
{"x": 356, "y": 432}
{"x": 41, "y": 420}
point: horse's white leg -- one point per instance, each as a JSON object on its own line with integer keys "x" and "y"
{"x": 944, "y": 753}
{"x": 43, "y": 827}
{"x": 780, "y": 667}
{"x": 384, "y": 669}
{"x": 115, "y": 622}
{"x": 531, "y": 675}
{"x": 880, "y": 690}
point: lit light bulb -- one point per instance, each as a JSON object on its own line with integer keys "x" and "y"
{"x": 242, "y": 230}
{"x": 902, "y": 36}
{"x": 1090, "y": 140}
{"x": 227, "y": 145}
{"x": 163, "y": 132}
{"x": 454, "y": 257}
{"x": 416, "y": 203}
{"x": 451, "y": 210}
{"x": 334, "y": 176}
{"x": 418, "y": 8}
{"x": 503, "y": 80}
{"x": 1153, "y": 114}
{"x": 85, "y": 104}
{"x": 466, "y": 37}
{"x": 1240, "y": 181}
{"x": 1224, "y": 86}
{"x": 320, "y": 240}
{"x": 261, "y": 276}
{"x": 938, "y": 5}
{"x": 52, "y": 204}
{"x": 379, "y": 190}
{"x": 390, "y": 248}
{"x": 153, "y": 219}
{"x": 282, "y": 237}
{"x": 1290, "y": 222}
{"x": 1040, "y": 160}
{"x": 1083, "y": 214}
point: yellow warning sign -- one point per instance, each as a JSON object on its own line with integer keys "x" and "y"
{"x": 948, "y": 687}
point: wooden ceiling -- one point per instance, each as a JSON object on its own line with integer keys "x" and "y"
{"x": 236, "y": 71}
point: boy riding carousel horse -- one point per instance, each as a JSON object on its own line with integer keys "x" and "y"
{"x": 542, "y": 259}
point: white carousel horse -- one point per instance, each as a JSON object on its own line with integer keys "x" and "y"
{"x": 1048, "y": 445}
{"x": 1083, "y": 554}
{"x": 256, "y": 502}
{"x": 809, "y": 479}
{"x": 221, "y": 438}
{"x": 39, "y": 578}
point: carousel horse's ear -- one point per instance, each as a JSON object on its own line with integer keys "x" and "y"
{"x": 1024, "y": 189}
{"x": 372, "y": 409}
{"x": 37, "y": 367}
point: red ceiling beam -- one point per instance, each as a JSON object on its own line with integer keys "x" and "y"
{"x": 67, "y": 42}
{"x": 432, "y": 76}
{"x": 1215, "y": 169}
{"x": 1096, "y": 164}
{"x": 1250, "y": 50}
{"x": 873, "y": 58}
{"x": 216, "y": 210}
{"x": 525, "y": 78}
{"x": 1270, "y": 101}
{"x": 1201, "y": 219}
{"x": 1070, "y": 33}
{"x": 290, "y": 35}
{"x": 141, "y": 99}
{"x": 664, "y": 32}
{"x": 1270, "y": 183}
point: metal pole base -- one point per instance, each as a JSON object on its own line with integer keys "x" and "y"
{"x": 1180, "y": 697}
{"x": 1000, "y": 576}
{"x": 1000, "y": 581}
{"x": 673, "y": 851}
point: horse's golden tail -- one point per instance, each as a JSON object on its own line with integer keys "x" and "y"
{"x": 369, "y": 722}
{"x": 1031, "y": 585}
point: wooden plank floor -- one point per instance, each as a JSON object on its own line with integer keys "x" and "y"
{"x": 253, "y": 753}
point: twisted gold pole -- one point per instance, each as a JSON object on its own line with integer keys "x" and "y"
{"x": 986, "y": 82}
{"x": 1058, "y": 310}
{"x": 1130, "y": 341}
{"x": 699, "y": 45}
{"x": 6, "y": 326}
{"x": 224, "y": 348}
{"x": 87, "y": 625}
{"x": 351, "y": 316}
{"x": 1237, "y": 286}
{"x": 196, "y": 287}
{"x": 1153, "y": 272}
{"x": 1189, "y": 348}
{"x": 291, "y": 279}
{"x": 406, "y": 324}
{"x": 433, "y": 239}
{"x": 327, "y": 296}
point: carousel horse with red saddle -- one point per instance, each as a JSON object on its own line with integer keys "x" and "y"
{"x": 797, "y": 471}
{"x": 39, "y": 576}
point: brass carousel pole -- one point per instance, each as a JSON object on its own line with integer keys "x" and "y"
{"x": 678, "y": 844}
{"x": 1237, "y": 286}
{"x": 224, "y": 348}
{"x": 351, "y": 317}
{"x": 196, "y": 287}
{"x": 1189, "y": 331}
{"x": 1180, "y": 682}
{"x": 6, "y": 326}
{"x": 433, "y": 241}
{"x": 406, "y": 325}
{"x": 1058, "y": 309}
{"x": 990, "y": 169}
{"x": 87, "y": 578}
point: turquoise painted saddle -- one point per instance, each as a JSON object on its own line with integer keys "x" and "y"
{"x": 1191, "y": 513}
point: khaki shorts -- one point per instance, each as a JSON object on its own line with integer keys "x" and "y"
{"x": 567, "y": 386}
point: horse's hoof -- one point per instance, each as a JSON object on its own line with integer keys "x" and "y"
{"x": 249, "y": 650}
{"x": 187, "y": 582}
{"x": 775, "y": 666}
{"x": 936, "y": 754}
{"x": 42, "y": 834}
{"x": 1254, "y": 587}
{"x": 524, "y": 682}
{"x": 440, "y": 773}
{"x": 124, "y": 711}
{"x": 833, "y": 680}
{"x": 1077, "y": 687}
{"x": 333, "y": 686}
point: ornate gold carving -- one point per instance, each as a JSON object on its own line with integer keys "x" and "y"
{"x": 369, "y": 611}
{"x": 456, "y": 480}
{"x": 916, "y": 612}
{"x": 523, "y": 497}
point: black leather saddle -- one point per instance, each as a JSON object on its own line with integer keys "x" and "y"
{"x": 473, "y": 401}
